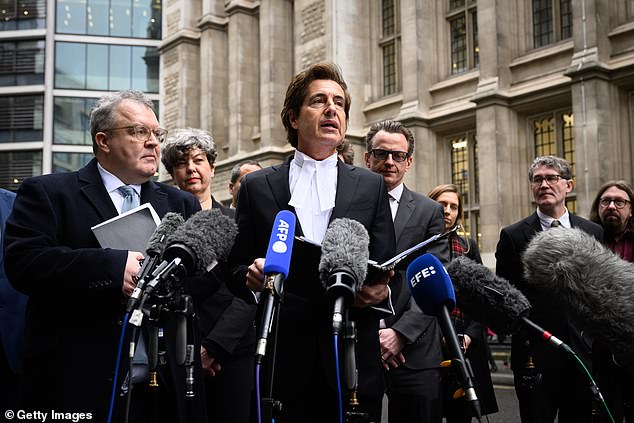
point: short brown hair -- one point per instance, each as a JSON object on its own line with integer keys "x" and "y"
{"x": 298, "y": 88}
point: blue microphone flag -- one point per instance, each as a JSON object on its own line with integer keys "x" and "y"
{"x": 430, "y": 284}
{"x": 278, "y": 255}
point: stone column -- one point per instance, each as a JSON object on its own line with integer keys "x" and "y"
{"x": 180, "y": 52}
{"x": 276, "y": 68}
{"x": 214, "y": 75}
{"x": 243, "y": 77}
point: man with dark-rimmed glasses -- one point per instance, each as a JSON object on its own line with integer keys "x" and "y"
{"x": 612, "y": 209}
{"x": 410, "y": 340}
{"x": 554, "y": 387}
{"x": 77, "y": 290}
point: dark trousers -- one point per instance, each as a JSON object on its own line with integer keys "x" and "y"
{"x": 229, "y": 392}
{"x": 414, "y": 395}
{"x": 563, "y": 392}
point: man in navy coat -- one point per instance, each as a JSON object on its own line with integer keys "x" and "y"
{"x": 77, "y": 290}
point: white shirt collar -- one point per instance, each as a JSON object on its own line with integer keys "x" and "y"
{"x": 546, "y": 220}
{"x": 112, "y": 183}
{"x": 397, "y": 192}
{"x": 304, "y": 172}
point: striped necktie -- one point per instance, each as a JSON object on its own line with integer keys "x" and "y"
{"x": 130, "y": 198}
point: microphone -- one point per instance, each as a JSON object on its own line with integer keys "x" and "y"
{"x": 491, "y": 299}
{"x": 589, "y": 282}
{"x": 343, "y": 265}
{"x": 153, "y": 251}
{"x": 195, "y": 246}
{"x": 276, "y": 266}
{"x": 433, "y": 291}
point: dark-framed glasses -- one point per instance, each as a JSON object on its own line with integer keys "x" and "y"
{"x": 619, "y": 204}
{"x": 397, "y": 156}
{"x": 550, "y": 179}
{"x": 142, "y": 133}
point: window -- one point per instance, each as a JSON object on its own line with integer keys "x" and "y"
{"x": 21, "y": 118}
{"x": 553, "y": 134}
{"x": 390, "y": 46}
{"x": 15, "y": 166}
{"x": 464, "y": 174}
{"x": 71, "y": 120}
{"x": 23, "y": 14}
{"x": 463, "y": 28}
{"x": 546, "y": 28}
{"x": 106, "y": 67}
{"x": 114, "y": 18}
{"x": 68, "y": 162}
{"x": 21, "y": 63}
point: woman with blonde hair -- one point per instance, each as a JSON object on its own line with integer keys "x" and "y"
{"x": 472, "y": 333}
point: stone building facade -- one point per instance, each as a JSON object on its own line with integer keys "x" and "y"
{"x": 485, "y": 86}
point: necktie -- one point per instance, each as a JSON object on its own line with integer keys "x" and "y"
{"x": 130, "y": 198}
{"x": 140, "y": 370}
{"x": 555, "y": 224}
{"x": 393, "y": 205}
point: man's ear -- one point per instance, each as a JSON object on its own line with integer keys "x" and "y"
{"x": 102, "y": 142}
{"x": 292, "y": 119}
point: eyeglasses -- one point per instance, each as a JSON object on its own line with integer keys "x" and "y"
{"x": 142, "y": 133}
{"x": 619, "y": 204}
{"x": 550, "y": 179}
{"x": 397, "y": 156}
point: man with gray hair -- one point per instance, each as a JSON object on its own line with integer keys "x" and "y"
{"x": 546, "y": 383}
{"x": 78, "y": 290}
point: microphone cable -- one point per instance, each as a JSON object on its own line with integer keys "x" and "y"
{"x": 596, "y": 393}
{"x": 116, "y": 369}
{"x": 338, "y": 375}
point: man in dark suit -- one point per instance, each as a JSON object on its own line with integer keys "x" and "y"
{"x": 77, "y": 290}
{"x": 318, "y": 188}
{"x": 563, "y": 388}
{"x": 410, "y": 340}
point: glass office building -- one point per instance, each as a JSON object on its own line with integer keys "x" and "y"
{"x": 56, "y": 59}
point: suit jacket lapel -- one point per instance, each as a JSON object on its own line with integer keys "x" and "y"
{"x": 151, "y": 193}
{"x": 405, "y": 209}
{"x": 92, "y": 188}
{"x": 279, "y": 185}
{"x": 532, "y": 226}
{"x": 347, "y": 180}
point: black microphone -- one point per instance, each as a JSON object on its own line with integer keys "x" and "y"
{"x": 195, "y": 246}
{"x": 589, "y": 282}
{"x": 153, "y": 252}
{"x": 433, "y": 291}
{"x": 491, "y": 299}
{"x": 343, "y": 265}
{"x": 276, "y": 267}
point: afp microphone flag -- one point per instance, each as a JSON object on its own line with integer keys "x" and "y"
{"x": 278, "y": 255}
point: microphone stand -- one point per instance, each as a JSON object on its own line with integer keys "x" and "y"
{"x": 458, "y": 363}
{"x": 273, "y": 285}
{"x": 351, "y": 374}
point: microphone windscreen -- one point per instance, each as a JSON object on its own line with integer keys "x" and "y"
{"x": 487, "y": 297}
{"x": 278, "y": 255}
{"x": 209, "y": 234}
{"x": 170, "y": 222}
{"x": 345, "y": 246}
{"x": 589, "y": 282}
{"x": 430, "y": 285}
